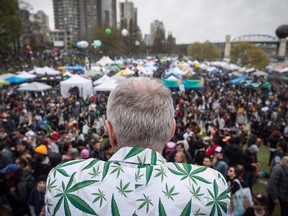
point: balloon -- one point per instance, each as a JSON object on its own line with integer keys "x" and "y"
{"x": 108, "y": 31}
{"x": 96, "y": 44}
{"x": 124, "y": 32}
{"x": 137, "y": 43}
{"x": 82, "y": 44}
{"x": 197, "y": 65}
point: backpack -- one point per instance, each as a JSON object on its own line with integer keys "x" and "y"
{"x": 242, "y": 199}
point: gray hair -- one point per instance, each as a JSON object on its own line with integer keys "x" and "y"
{"x": 141, "y": 112}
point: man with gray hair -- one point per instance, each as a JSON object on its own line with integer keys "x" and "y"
{"x": 137, "y": 180}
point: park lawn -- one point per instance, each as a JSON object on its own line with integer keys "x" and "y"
{"x": 260, "y": 184}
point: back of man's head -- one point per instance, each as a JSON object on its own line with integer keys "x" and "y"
{"x": 141, "y": 113}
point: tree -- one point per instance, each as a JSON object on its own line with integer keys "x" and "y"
{"x": 159, "y": 41}
{"x": 203, "y": 51}
{"x": 249, "y": 55}
{"x": 114, "y": 44}
{"x": 10, "y": 25}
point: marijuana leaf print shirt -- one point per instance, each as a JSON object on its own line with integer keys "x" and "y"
{"x": 135, "y": 181}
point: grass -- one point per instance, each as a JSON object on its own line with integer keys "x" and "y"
{"x": 260, "y": 184}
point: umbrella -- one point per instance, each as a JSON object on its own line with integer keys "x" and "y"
{"x": 259, "y": 73}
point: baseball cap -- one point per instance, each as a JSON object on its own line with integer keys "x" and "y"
{"x": 9, "y": 168}
{"x": 41, "y": 149}
{"x": 218, "y": 149}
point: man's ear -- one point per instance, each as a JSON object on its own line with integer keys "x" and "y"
{"x": 112, "y": 137}
{"x": 173, "y": 130}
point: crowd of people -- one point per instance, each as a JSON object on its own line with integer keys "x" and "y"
{"x": 221, "y": 126}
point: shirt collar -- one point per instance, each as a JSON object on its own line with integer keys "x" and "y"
{"x": 137, "y": 155}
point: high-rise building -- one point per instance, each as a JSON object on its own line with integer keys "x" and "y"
{"x": 66, "y": 16}
{"x": 88, "y": 17}
{"x": 79, "y": 18}
{"x": 154, "y": 27}
{"x": 128, "y": 16}
{"x": 108, "y": 13}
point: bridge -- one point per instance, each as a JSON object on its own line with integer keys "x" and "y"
{"x": 268, "y": 43}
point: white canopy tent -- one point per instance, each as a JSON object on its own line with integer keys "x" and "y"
{"x": 118, "y": 77}
{"x": 106, "y": 86}
{"x": 103, "y": 79}
{"x": 260, "y": 73}
{"x": 67, "y": 73}
{"x": 105, "y": 60}
{"x": 26, "y": 75}
{"x": 35, "y": 87}
{"x": 84, "y": 85}
{"x": 44, "y": 71}
{"x": 6, "y": 75}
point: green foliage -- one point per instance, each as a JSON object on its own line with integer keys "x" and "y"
{"x": 203, "y": 51}
{"x": 159, "y": 41}
{"x": 115, "y": 43}
{"x": 10, "y": 25}
{"x": 249, "y": 55}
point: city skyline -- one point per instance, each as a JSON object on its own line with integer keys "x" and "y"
{"x": 197, "y": 20}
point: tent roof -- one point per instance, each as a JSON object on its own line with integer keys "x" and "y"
{"x": 103, "y": 79}
{"x": 259, "y": 73}
{"x": 105, "y": 60}
{"x": 6, "y": 75}
{"x": 106, "y": 86}
{"x": 26, "y": 75}
{"x": 15, "y": 79}
{"x": 35, "y": 87}
{"x": 76, "y": 79}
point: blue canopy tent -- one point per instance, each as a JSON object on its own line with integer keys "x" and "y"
{"x": 74, "y": 68}
{"x": 15, "y": 79}
{"x": 238, "y": 79}
{"x": 171, "y": 83}
{"x": 172, "y": 74}
{"x": 213, "y": 70}
{"x": 193, "y": 84}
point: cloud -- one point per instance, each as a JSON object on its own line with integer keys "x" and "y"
{"x": 201, "y": 20}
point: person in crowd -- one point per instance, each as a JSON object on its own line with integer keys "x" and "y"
{"x": 219, "y": 162}
{"x": 85, "y": 154}
{"x": 272, "y": 142}
{"x": 180, "y": 157}
{"x": 179, "y": 148}
{"x": 207, "y": 161}
{"x": 140, "y": 121}
{"x": 41, "y": 162}
{"x": 259, "y": 207}
{"x": 238, "y": 205}
{"x": 234, "y": 153}
{"x": 22, "y": 148}
{"x": 168, "y": 149}
{"x": 107, "y": 153}
{"x": 19, "y": 184}
{"x": 96, "y": 150}
{"x": 277, "y": 187}
{"x": 52, "y": 147}
{"x": 6, "y": 156}
{"x": 36, "y": 197}
{"x": 250, "y": 165}
{"x": 210, "y": 151}
{"x": 281, "y": 151}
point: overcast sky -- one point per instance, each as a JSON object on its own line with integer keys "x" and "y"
{"x": 202, "y": 20}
